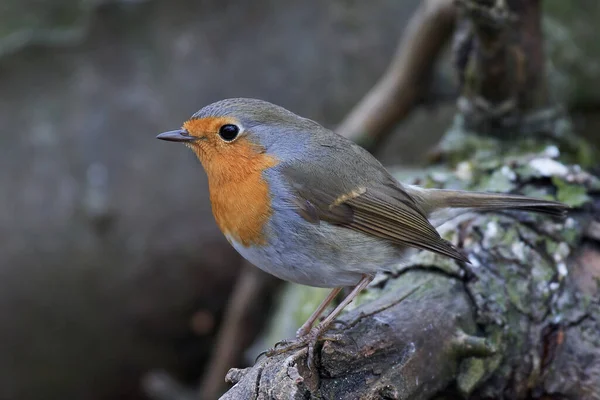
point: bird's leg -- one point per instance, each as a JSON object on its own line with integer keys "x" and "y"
{"x": 305, "y": 328}
{"x": 317, "y": 331}
{"x": 322, "y": 326}
{"x": 312, "y": 337}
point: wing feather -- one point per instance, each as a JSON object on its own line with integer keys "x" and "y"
{"x": 383, "y": 210}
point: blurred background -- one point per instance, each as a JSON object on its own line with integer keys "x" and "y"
{"x": 111, "y": 265}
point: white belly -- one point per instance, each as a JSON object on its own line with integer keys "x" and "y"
{"x": 327, "y": 256}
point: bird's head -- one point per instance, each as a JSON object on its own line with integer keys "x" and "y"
{"x": 232, "y": 135}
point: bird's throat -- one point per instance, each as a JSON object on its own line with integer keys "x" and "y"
{"x": 239, "y": 193}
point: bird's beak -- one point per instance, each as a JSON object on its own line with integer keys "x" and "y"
{"x": 180, "y": 135}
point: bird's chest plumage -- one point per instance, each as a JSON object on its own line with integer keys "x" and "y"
{"x": 242, "y": 207}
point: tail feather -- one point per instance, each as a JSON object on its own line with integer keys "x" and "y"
{"x": 436, "y": 199}
{"x": 553, "y": 211}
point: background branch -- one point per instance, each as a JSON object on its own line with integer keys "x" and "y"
{"x": 252, "y": 283}
{"x": 399, "y": 89}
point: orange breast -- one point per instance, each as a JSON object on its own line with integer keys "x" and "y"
{"x": 242, "y": 205}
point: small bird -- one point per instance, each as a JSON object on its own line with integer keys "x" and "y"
{"x": 311, "y": 207}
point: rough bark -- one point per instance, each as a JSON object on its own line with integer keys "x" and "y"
{"x": 523, "y": 320}
{"x": 400, "y": 327}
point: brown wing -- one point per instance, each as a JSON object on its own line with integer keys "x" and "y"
{"x": 384, "y": 210}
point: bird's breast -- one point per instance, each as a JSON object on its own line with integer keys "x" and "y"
{"x": 242, "y": 203}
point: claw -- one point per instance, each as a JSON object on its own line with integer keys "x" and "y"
{"x": 342, "y": 323}
{"x": 309, "y": 340}
{"x": 262, "y": 353}
{"x": 285, "y": 346}
{"x": 312, "y": 339}
{"x": 283, "y": 342}
{"x": 334, "y": 337}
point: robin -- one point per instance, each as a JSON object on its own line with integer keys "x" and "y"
{"x": 311, "y": 207}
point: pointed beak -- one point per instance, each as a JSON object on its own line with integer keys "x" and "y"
{"x": 180, "y": 135}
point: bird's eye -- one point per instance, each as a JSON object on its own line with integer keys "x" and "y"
{"x": 229, "y": 132}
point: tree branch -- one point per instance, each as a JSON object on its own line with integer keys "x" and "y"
{"x": 251, "y": 283}
{"x": 407, "y": 326}
{"x": 398, "y": 90}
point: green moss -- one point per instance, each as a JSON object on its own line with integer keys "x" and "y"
{"x": 472, "y": 371}
{"x": 487, "y": 152}
{"x": 498, "y": 181}
{"x": 574, "y": 195}
{"x": 458, "y": 144}
{"x": 427, "y": 259}
{"x": 542, "y": 272}
{"x": 551, "y": 245}
{"x": 571, "y": 236}
{"x": 517, "y": 290}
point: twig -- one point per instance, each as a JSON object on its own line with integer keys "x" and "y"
{"x": 251, "y": 283}
{"x": 399, "y": 89}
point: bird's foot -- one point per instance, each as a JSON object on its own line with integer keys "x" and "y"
{"x": 309, "y": 340}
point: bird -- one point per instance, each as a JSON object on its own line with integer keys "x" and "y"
{"x": 310, "y": 206}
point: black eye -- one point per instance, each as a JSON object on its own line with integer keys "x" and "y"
{"x": 229, "y": 132}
